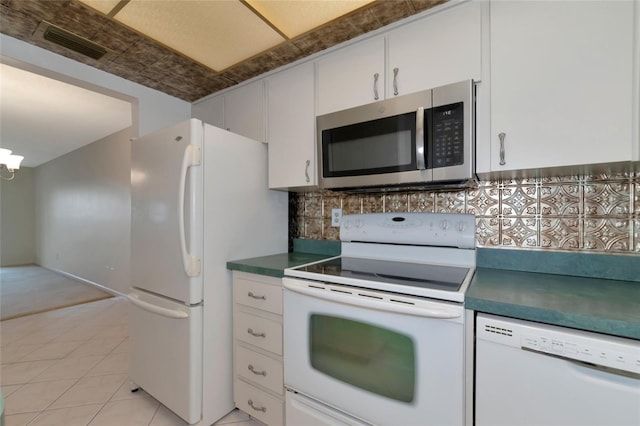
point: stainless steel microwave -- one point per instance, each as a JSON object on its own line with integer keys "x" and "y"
{"x": 421, "y": 139}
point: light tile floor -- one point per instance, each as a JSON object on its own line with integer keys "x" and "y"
{"x": 69, "y": 367}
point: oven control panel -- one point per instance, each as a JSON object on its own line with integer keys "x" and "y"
{"x": 428, "y": 229}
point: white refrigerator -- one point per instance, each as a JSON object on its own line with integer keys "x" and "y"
{"x": 199, "y": 198}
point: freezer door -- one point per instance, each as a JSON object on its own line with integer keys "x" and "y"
{"x": 166, "y": 352}
{"x": 166, "y": 218}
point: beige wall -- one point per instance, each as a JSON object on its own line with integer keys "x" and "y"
{"x": 82, "y": 199}
{"x": 17, "y": 219}
{"x": 82, "y": 205}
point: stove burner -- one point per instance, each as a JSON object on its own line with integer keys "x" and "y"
{"x": 438, "y": 277}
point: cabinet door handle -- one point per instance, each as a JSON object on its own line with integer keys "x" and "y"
{"x": 263, "y": 409}
{"x": 395, "y": 81}
{"x": 502, "y": 136}
{"x": 306, "y": 171}
{"x": 257, "y": 373}
{"x": 375, "y": 86}
{"x": 253, "y": 296}
{"x": 254, "y": 334}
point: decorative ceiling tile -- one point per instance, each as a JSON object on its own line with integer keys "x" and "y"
{"x": 129, "y": 49}
{"x": 294, "y": 18}
{"x": 218, "y": 34}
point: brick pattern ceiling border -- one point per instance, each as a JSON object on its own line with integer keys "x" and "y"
{"x": 137, "y": 58}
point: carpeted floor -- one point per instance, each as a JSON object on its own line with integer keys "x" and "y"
{"x": 30, "y": 289}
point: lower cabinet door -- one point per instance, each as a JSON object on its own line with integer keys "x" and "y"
{"x": 259, "y": 404}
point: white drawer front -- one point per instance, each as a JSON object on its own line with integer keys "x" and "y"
{"x": 259, "y": 404}
{"x": 258, "y": 295}
{"x": 259, "y": 369}
{"x": 258, "y": 331}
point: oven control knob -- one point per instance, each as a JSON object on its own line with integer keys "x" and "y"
{"x": 460, "y": 226}
{"x": 346, "y": 223}
{"x": 444, "y": 225}
{"x": 359, "y": 223}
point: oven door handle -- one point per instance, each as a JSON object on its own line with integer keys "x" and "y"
{"x": 444, "y": 312}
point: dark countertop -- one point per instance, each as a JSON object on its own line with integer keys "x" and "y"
{"x": 274, "y": 265}
{"x": 592, "y": 304}
{"x": 604, "y": 305}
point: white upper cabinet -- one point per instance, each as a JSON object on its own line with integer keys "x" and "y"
{"x": 244, "y": 111}
{"x": 239, "y": 110}
{"x": 562, "y": 84}
{"x": 210, "y": 110}
{"x": 291, "y": 128}
{"x": 351, "y": 76}
{"x": 438, "y": 49}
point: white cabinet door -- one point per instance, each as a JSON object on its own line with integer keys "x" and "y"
{"x": 291, "y": 128}
{"x": 244, "y": 111}
{"x": 346, "y": 77}
{"x": 436, "y": 50}
{"x": 210, "y": 110}
{"x": 561, "y": 83}
{"x": 239, "y": 110}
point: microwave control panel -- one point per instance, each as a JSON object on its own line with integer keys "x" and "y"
{"x": 447, "y": 135}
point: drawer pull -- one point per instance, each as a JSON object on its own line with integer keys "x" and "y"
{"x": 257, "y": 373}
{"x": 263, "y": 409}
{"x": 254, "y": 334}
{"x": 253, "y": 296}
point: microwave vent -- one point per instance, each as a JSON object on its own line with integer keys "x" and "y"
{"x": 419, "y": 186}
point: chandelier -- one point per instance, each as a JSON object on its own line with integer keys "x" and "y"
{"x": 10, "y": 162}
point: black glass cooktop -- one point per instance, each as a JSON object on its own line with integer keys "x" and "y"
{"x": 448, "y": 278}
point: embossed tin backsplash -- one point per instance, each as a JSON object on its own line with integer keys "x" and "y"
{"x": 595, "y": 213}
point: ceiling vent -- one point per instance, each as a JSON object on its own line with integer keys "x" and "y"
{"x": 69, "y": 40}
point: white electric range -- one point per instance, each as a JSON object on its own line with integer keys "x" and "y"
{"x": 376, "y": 335}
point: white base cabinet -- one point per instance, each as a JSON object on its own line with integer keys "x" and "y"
{"x": 562, "y": 83}
{"x": 258, "y": 382}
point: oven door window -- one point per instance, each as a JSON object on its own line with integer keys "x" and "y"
{"x": 379, "y": 146}
{"x": 367, "y": 356}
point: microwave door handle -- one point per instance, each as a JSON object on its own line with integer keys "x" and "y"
{"x": 420, "y": 163}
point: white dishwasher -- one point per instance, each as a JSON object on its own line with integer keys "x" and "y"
{"x": 536, "y": 374}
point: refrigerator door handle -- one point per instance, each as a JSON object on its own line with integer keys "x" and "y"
{"x": 155, "y": 309}
{"x": 192, "y": 157}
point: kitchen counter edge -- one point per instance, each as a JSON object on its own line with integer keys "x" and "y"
{"x": 274, "y": 265}
{"x": 599, "y": 305}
